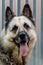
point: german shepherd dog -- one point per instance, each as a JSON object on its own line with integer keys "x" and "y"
{"x": 18, "y": 37}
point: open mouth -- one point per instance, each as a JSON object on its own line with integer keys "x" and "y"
{"x": 23, "y": 49}
{"x": 22, "y": 41}
{"x": 23, "y": 45}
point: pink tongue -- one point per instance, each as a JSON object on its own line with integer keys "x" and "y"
{"x": 23, "y": 50}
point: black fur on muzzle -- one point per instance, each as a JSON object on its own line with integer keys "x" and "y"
{"x": 21, "y": 38}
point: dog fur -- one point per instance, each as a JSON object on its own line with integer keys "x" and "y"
{"x": 6, "y": 41}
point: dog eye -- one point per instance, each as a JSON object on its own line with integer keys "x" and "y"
{"x": 15, "y": 28}
{"x": 26, "y": 26}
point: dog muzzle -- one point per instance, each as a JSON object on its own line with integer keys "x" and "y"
{"x": 22, "y": 40}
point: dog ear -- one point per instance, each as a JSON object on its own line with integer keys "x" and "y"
{"x": 8, "y": 16}
{"x": 28, "y": 13}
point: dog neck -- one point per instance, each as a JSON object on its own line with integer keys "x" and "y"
{"x": 4, "y": 55}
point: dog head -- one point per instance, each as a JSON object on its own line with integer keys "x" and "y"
{"x": 19, "y": 32}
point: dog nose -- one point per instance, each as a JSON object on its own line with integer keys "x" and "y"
{"x": 23, "y": 37}
{"x": 22, "y": 34}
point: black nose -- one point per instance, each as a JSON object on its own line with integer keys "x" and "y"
{"x": 24, "y": 37}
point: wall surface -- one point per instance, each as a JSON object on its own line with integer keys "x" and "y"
{"x": 37, "y": 9}
{"x": 42, "y": 31}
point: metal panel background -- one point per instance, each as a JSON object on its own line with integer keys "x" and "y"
{"x": 37, "y": 9}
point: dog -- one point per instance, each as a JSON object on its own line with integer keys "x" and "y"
{"x": 17, "y": 38}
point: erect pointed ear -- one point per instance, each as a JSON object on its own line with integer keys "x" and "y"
{"x": 28, "y": 13}
{"x": 8, "y": 14}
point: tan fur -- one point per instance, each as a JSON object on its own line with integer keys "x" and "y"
{"x": 10, "y": 46}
